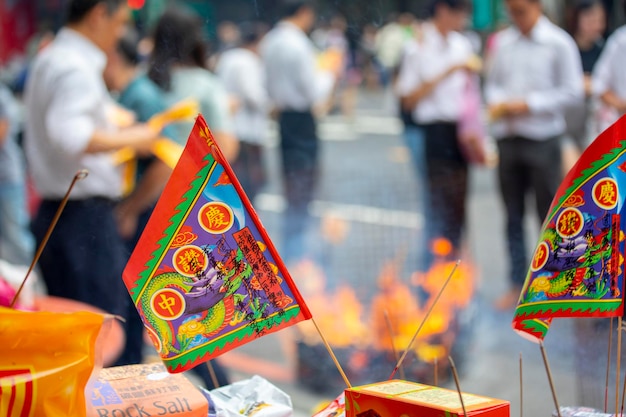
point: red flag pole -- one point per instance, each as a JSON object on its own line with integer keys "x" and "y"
{"x": 521, "y": 388}
{"x": 621, "y": 410}
{"x": 216, "y": 383}
{"x": 432, "y": 306}
{"x": 79, "y": 176}
{"x": 618, "y": 364}
{"x": 608, "y": 367}
{"x": 547, "y": 366}
{"x": 332, "y": 354}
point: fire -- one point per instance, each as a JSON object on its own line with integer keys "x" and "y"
{"x": 338, "y": 314}
{"x": 391, "y": 319}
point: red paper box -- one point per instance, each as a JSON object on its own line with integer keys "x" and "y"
{"x": 409, "y": 399}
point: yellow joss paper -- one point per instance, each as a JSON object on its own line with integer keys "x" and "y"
{"x": 46, "y": 361}
{"x": 181, "y": 111}
{"x": 167, "y": 151}
{"x": 123, "y": 155}
{"x": 330, "y": 60}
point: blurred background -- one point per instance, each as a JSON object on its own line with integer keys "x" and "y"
{"x": 369, "y": 223}
{"x": 22, "y": 19}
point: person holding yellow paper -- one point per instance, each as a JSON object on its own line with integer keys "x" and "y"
{"x": 139, "y": 94}
{"x": 67, "y": 129}
{"x": 432, "y": 85}
{"x": 527, "y": 98}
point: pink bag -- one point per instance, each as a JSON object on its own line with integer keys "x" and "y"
{"x": 471, "y": 129}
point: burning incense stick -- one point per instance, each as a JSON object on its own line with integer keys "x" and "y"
{"x": 82, "y": 174}
{"x": 216, "y": 383}
{"x": 436, "y": 366}
{"x": 618, "y": 369}
{"x": 457, "y": 383}
{"x": 547, "y": 366}
{"x": 393, "y": 344}
{"x": 608, "y": 366}
{"x": 332, "y": 354}
{"x": 521, "y": 388}
{"x": 393, "y": 373}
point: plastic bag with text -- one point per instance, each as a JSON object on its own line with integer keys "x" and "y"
{"x": 251, "y": 397}
{"x": 46, "y": 361}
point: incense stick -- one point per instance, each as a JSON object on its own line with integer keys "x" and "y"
{"x": 332, "y": 354}
{"x": 79, "y": 176}
{"x": 521, "y": 388}
{"x": 216, "y": 383}
{"x": 393, "y": 373}
{"x": 621, "y": 409}
{"x": 624, "y": 386}
{"x": 436, "y": 366}
{"x": 458, "y": 385}
{"x": 393, "y": 344}
{"x": 608, "y": 366}
{"x": 547, "y": 366}
{"x": 618, "y": 370}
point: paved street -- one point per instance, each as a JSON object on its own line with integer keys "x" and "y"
{"x": 368, "y": 184}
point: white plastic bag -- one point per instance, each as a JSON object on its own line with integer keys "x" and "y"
{"x": 252, "y": 397}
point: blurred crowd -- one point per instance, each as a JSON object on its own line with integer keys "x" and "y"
{"x": 538, "y": 91}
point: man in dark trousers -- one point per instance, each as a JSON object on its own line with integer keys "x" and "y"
{"x": 536, "y": 73}
{"x": 294, "y": 87}
{"x": 68, "y": 128}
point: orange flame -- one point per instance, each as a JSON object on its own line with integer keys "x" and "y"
{"x": 346, "y": 322}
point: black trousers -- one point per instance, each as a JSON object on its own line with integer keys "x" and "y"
{"x": 446, "y": 170}
{"x": 299, "y": 147}
{"x": 249, "y": 168}
{"x": 85, "y": 255}
{"x": 526, "y": 165}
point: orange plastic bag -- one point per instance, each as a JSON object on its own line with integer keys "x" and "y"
{"x": 46, "y": 362}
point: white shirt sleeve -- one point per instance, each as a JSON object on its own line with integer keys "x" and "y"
{"x": 69, "y": 120}
{"x": 569, "y": 87}
{"x": 494, "y": 87}
{"x": 252, "y": 84}
{"x": 408, "y": 77}
{"x": 304, "y": 64}
{"x": 603, "y": 74}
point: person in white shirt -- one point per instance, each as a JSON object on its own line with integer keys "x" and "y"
{"x": 67, "y": 128}
{"x": 536, "y": 73}
{"x": 177, "y": 66}
{"x": 294, "y": 86}
{"x": 390, "y": 42}
{"x": 431, "y": 85}
{"x": 608, "y": 79}
{"x": 243, "y": 75}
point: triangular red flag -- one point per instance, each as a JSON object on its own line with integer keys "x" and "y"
{"x": 205, "y": 276}
{"x": 576, "y": 270}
